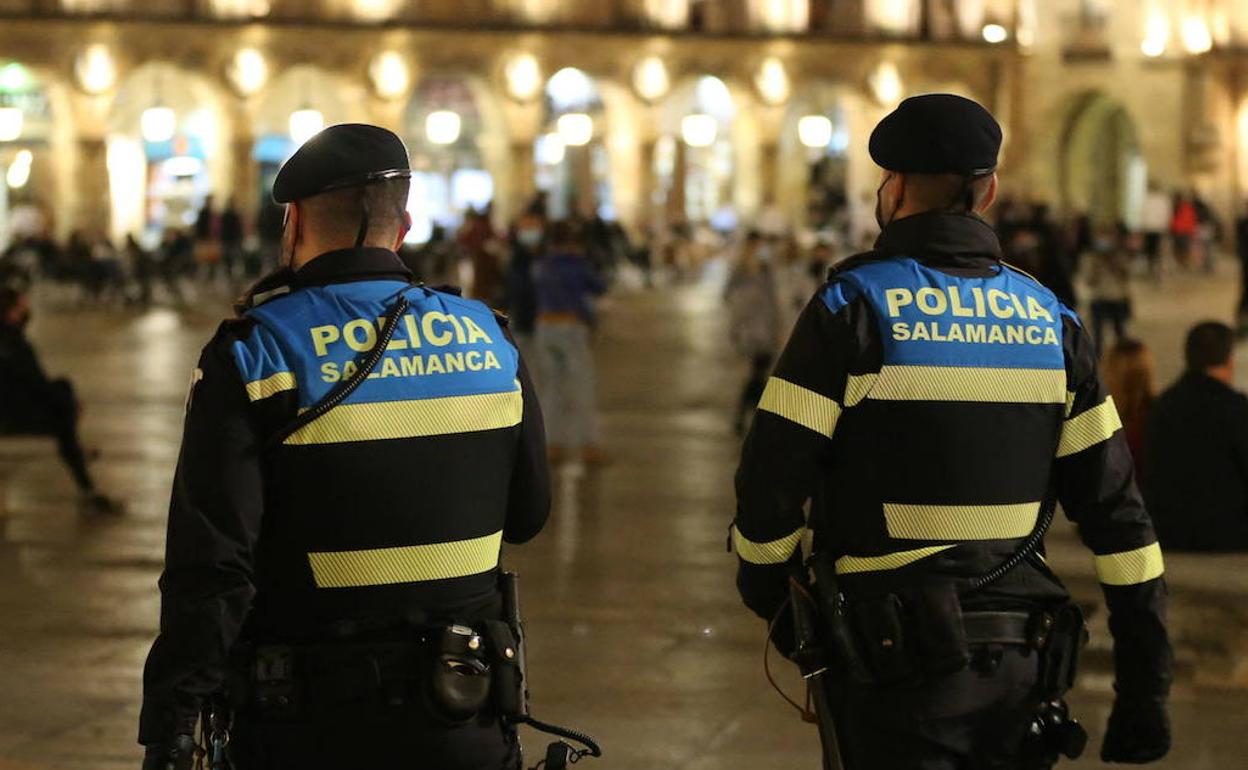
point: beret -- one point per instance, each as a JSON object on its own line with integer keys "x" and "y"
{"x": 937, "y": 134}
{"x": 343, "y": 155}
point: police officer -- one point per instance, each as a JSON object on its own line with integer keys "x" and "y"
{"x": 322, "y": 566}
{"x": 934, "y": 403}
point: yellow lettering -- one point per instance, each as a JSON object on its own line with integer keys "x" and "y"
{"x": 351, "y": 333}
{"x": 322, "y": 336}
{"x": 475, "y": 332}
{"x": 955, "y": 304}
{"x": 901, "y": 332}
{"x": 348, "y": 369}
{"x": 977, "y": 333}
{"x": 897, "y": 299}
{"x": 411, "y": 366}
{"x": 439, "y": 339}
{"x": 1018, "y": 305}
{"x": 413, "y": 336}
{"x": 389, "y": 368}
{"x": 978, "y": 294}
{"x": 995, "y": 335}
{"x": 955, "y": 333}
{"x": 491, "y": 360}
{"x": 1034, "y": 335}
{"x": 1050, "y": 336}
{"x": 920, "y": 332}
{"x": 473, "y": 360}
{"x": 434, "y": 365}
{"x": 459, "y": 329}
{"x": 454, "y": 362}
{"x": 1037, "y": 310}
{"x": 1014, "y": 335}
{"x": 329, "y": 371}
{"x": 396, "y": 343}
{"x": 999, "y": 310}
{"x": 931, "y": 301}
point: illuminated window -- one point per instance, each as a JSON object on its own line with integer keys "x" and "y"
{"x": 241, "y": 9}
{"x": 894, "y": 17}
{"x": 781, "y": 15}
{"x": 668, "y": 14}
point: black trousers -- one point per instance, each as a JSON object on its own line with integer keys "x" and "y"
{"x": 395, "y": 738}
{"x": 58, "y": 419}
{"x": 975, "y": 719}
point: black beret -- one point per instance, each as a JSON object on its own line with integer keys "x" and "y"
{"x": 937, "y": 134}
{"x": 345, "y": 155}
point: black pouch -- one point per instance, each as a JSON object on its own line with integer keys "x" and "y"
{"x": 1065, "y": 636}
{"x": 886, "y": 646}
{"x": 508, "y": 679}
{"x": 274, "y": 690}
{"x": 459, "y": 678}
{"x": 937, "y": 632}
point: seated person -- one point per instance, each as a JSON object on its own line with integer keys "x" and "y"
{"x": 1196, "y": 464}
{"x": 33, "y": 405}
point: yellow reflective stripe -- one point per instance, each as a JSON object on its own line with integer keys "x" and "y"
{"x": 800, "y": 405}
{"x": 970, "y": 383}
{"x": 1070, "y": 403}
{"x": 960, "y": 522}
{"x": 270, "y": 386}
{"x": 1131, "y": 567}
{"x": 410, "y": 419}
{"x": 858, "y": 387}
{"x": 1090, "y": 428}
{"x": 405, "y": 564}
{"x": 771, "y": 552}
{"x": 850, "y": 564}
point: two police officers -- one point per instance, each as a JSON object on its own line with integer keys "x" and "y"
{"x": 356, "y": 451}
{"x": 934, "y": 405}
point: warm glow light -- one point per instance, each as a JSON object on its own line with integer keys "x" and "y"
{"x": 815, "y": 131}
{"x": 1197, "y": 38}
{"x": 158, "y": 124}
{"x": 772, "y": 81}
{"x": 650, "y": 79}
{"x": 248, "y": 71}
{"x": 886, "y": 84}
{"x": 390, "y": 74}
{"x": 374, "y": 10}
{"x": 575, "y": 129}
{"x": 14, "y": 77}
{"x": 241, "y": 9}
{"x": 524, "y": 76}
{"x": 442, "y": 126}
{"x": 669, "y": 14}
{"x": 699, "y": 130}
{"x": 95, "y": 69}
{"x": 550, "y": 149}
{"x": 19, "y": 171}
{"x": 305, "y": 124}
{"x": 995, "y": 33}
{"x": 11, "y": 120}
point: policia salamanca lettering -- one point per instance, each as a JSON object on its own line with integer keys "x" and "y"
{"x": 434, "y": 329}
{"x": 973, "y": 303}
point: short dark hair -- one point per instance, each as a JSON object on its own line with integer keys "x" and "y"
{"x": 947, "y": 192}
{"x": 336, "y": 214}
{"x": 1209, "y": 344}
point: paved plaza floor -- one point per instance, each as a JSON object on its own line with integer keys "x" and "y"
{"x": 637, "y": 635}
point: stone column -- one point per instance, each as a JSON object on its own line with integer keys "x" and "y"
{"x": 522, "y": 185}
{"x": 94, "y": 203}
{"x": 245, "y": 184}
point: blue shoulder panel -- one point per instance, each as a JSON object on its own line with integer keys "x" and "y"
{"x": 931, "y": 318}
{"x": 444, "y": 345}
{"x": 838, "y": 294}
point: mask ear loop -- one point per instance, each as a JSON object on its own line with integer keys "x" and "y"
{"x": 900, "y": 199}
{"x": 362, "y": 234}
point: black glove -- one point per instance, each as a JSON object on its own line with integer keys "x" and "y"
{"x": 178, "y": 754}
{"x": 1138, "y": 732}
{"x": 783, "y": 634}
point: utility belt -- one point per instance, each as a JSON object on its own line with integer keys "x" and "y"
{"x": 922, "y": 633}
{"x": 455, "y": 672}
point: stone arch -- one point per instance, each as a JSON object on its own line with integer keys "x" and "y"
{"x": 146, "y": 194}
{"x": 1101, "y": 168}
{"x": 50, "y": 136}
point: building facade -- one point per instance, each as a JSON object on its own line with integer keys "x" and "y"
{"x": 121, "y": 116}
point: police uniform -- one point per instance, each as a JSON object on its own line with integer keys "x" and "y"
{"x": 380, "y": 518}
{"x": 930, "y": 403}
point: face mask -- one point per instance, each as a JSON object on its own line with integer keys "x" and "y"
{"x": 529, "y": 238}
{"x": 879, "y": 205}
{"x": 286, "y": 257}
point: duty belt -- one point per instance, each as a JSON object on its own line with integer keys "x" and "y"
{"x": 1010, "y": 628}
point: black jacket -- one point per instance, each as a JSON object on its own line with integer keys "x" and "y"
{"x": 390, "y": 507}
{"x": 1196, "y": 451}
{"x": 929, "y": 402}
{"x": 27, "y": 395}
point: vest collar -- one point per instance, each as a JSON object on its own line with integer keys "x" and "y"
{"x": 939, "y": 234}
{"x": 348, "y": 265}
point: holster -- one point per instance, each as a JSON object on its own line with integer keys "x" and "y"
{"x": 1060, "y": 637}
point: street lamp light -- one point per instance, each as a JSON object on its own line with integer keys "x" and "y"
{"x": 576, "y": 129}
{"x": 815, "y": 131}
{"x": 158, "y": 124}
{"x": 523, "y": 76}
{"x": 650, "y": 79}
{"x": 305, "y": 124}
{"x": 95, "y": 69}
{"x": 1197, "y": 37}
{"x": 995, "y": 33}
{"x": 390, "y": 74}
{"x": 772, "y": 81}
{"x": 442, "y": 126}
{"x": 248, "y": 71}
{"x": 19, "y": 171}
{"x": 11, "y": 120}
{"x": 699, "y": 130}
{"x": 550, "y": 149}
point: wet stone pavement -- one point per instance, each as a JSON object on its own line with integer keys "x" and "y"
{"x": 637, "y": 636}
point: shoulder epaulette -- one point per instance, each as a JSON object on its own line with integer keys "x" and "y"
{"x": 857, "y": 260}
{"x": 503, "y": 319}
{"x": 449, "y": 289}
